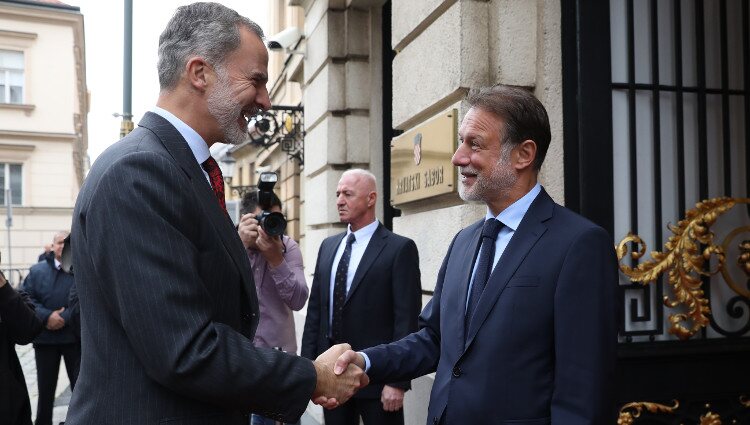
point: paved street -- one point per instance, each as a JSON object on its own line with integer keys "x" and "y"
{"x": 62, "y": 393}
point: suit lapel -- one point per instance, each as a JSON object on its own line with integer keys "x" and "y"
{"x": 376, "y": 244}
{"x": 470, "y": 250}
{"x": 526, "y": 235}
{"x": 180, "y": 151}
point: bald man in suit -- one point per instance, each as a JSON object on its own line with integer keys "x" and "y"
{"x": 366, "y": 291}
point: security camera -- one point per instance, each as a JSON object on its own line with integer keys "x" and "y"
{"x": 284, "y": 40}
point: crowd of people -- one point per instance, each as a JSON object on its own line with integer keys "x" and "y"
{"x": 194, "y": 323}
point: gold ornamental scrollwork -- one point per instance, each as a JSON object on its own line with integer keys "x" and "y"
{"x": 631, "y": 411}
{"x": 710, "y": 418}
{"x": 684, "y": 260}
{"x": 743, "y": 260}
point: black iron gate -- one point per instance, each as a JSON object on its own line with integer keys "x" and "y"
{"x": 657, "y": 151}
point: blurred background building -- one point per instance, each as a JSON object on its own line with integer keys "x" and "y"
{"x": 43, "y": 107}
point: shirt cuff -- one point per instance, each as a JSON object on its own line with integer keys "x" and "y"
{"x": 280, "y": 272}
{"x": 367, "y": 360}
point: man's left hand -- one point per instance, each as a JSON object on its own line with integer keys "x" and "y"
{"x": 270, "y": 247}
{"x": 392, "y": 398}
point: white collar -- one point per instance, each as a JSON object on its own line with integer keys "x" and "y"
{"x": 197, "y": 145}
{"x": 365, "y": 232}
{"x": 513, "y": 215}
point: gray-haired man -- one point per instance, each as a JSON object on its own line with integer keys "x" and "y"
{"x": 167, "y": 325}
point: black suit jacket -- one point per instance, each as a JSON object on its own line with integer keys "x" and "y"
{"x": 382, "y": 304}
{"x": 541, "y": 347}
{"x": 168, "y": 303}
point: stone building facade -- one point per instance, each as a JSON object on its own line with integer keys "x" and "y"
{"x": 43, "y": 139}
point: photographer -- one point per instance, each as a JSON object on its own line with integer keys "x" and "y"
{"x": 279, "y": 280}
{"x": 18, "y": 325}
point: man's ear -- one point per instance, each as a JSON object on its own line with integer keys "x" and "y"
{"x": 525, "y": 154}
{"x": 198, "y": 71}
{"x": 372, "y": 197}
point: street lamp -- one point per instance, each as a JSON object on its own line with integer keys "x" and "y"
{"x": 226, "y": 165}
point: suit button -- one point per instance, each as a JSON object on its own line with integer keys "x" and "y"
{"x": 435, "y": 420}
{"x": 456, "y": 371}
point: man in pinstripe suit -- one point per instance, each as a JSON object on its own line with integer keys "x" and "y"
{"x": 167, "y": 324}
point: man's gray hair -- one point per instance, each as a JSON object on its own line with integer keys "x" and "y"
{"x": 208, "y": 30}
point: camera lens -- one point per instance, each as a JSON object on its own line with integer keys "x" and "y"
{"x": 273, "y": 223}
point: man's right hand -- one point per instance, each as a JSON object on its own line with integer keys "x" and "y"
{"x": 55, "y": 321}
{"x": 346, "y": 358}
{"x": 334, "y": 389}
{"x": 248, "y": 230}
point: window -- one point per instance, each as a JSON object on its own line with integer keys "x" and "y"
{"x": 11, "y": 76}
{"x": 10, "y": 178}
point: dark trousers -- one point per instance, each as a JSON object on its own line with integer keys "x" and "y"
{"x": 262, "y": 420}
{"x": 371, "y": 410}
{"x": 47, "y": 369}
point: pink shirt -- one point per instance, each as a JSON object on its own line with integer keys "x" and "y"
{"x": 280, "y": 289}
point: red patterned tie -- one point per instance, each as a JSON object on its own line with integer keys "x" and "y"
{"x": 217, "y": 181}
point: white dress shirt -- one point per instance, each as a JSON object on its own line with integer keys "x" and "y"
{"x": 511, "y": 217}
{"x": 198, "y": 146}
{"x": 362, "y": 238}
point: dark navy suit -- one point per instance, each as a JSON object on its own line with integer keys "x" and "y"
{"x": 541, "y": 347}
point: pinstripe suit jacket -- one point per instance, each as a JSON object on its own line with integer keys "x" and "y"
{"x": 168, "y": 305}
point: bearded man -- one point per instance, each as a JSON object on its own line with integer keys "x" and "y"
{"x": 522, "y": 327}
{"x": 168, "y": 302}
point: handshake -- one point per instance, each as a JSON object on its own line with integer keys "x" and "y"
{"x": 340, "y": 375}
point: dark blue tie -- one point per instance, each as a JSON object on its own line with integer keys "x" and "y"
{"x": 484, "y": 267}
{"x": 339, "y": 291}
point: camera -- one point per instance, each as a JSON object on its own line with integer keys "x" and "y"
{"x": 272, "y": 223}
{"x": 285, "y": 39}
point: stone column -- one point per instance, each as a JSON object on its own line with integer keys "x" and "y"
{"x": 342, "y": 98}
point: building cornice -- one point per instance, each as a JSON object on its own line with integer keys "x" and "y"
{"x": 18, "y": 34}
{"x": 37, "y": 135}
{"x": 14, "y": 147}
{"x": 40, "y": 5}
{"x": 23, "y": 11}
